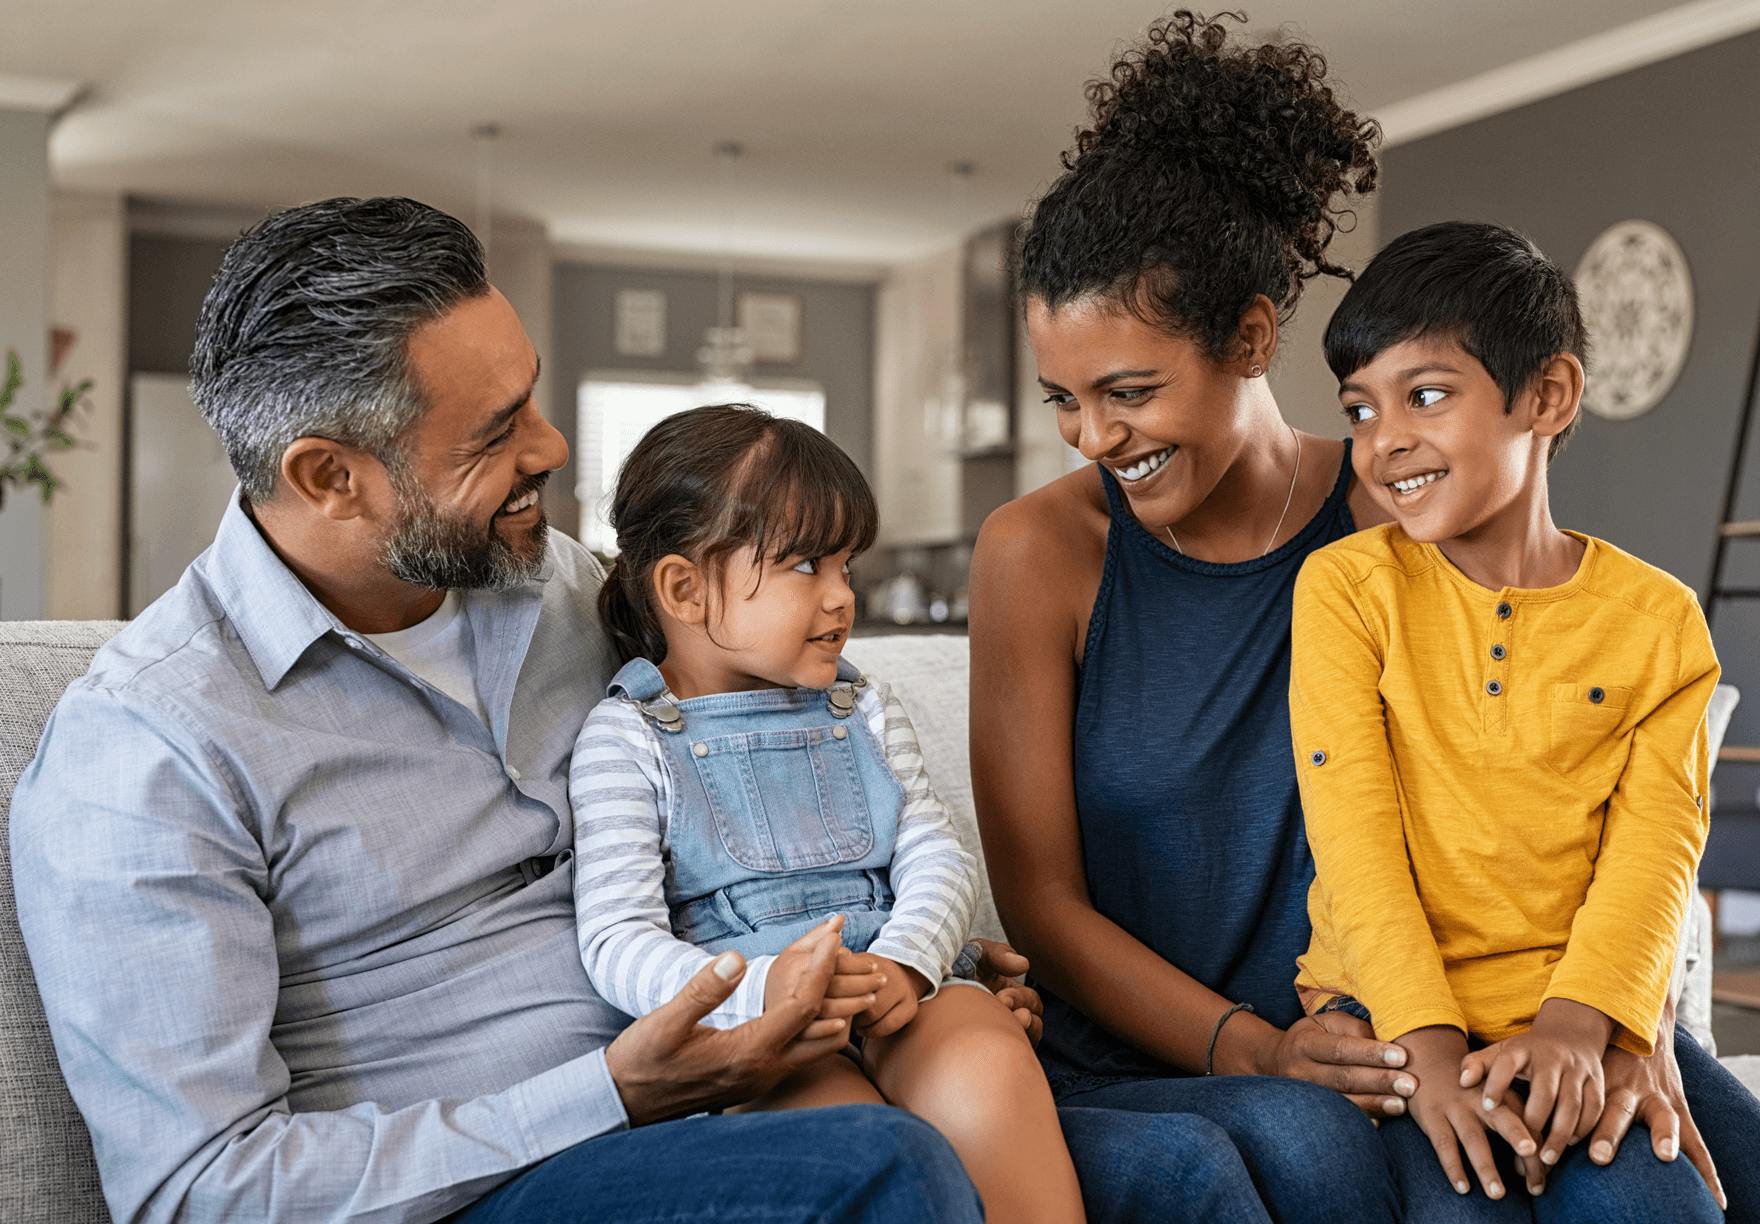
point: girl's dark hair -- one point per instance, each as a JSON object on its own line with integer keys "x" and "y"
{"x": 1486, "y": 287}
{"x": 711, "y": 481}
{"x": 1212, "y": 173}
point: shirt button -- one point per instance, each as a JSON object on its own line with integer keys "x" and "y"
{"x": 1498, "y": 652}
{"x": 354, "y": 642}
{"x": 1494, "y": 687}
{"x": 1504, "y": 611}
{"x": 513, "y": 774}
{"x": 700, "y": 748}
{"x": 1597, "y": 695}
{"x": 840, "y": 733}
{"x": 1317, "y": 757}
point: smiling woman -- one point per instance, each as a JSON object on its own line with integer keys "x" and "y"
{"x": 1130, "y": 622}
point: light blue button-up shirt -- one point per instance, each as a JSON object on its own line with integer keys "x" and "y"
{"x": 285, "y": 902}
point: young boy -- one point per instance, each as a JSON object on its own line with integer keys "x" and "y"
{"x": 1500, "y": 734}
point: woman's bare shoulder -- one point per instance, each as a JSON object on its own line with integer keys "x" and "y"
{"x": 1060, "y": 522}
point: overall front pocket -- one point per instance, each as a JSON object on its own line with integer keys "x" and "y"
{"x": 1584, "y": 741}
{"x": 786, "y": 800}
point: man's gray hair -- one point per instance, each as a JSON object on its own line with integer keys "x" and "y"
{"x": 304, "y": 331}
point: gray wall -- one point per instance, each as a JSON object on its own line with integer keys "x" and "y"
{"x": 1672, "y": 143}
{"x": 24, "y": 328}
{"x": 837, "y": 349}
{"x": 167, "y": 279}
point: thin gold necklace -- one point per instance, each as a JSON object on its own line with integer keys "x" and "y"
{"x": 1286, "y": 501}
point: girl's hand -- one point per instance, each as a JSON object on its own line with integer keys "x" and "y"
{"x": 895, "y": 1002}
{"x": 1560, "y": 1057}
{"x": 1338, "y": 1051}
{"x": 1453, "y": 1118}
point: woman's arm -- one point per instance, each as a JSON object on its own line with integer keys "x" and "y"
{"x": 1034, "y": 571}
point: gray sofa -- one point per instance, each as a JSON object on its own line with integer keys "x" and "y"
{"x": 46, "y": 1168}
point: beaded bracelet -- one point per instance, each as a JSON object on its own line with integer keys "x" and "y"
{"x": 1210, "y": 1050}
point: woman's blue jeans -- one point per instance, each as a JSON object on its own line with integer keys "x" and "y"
{"x": 1310, "y": 1154}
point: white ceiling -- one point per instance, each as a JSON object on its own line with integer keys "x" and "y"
{"x": 850, "y": 110}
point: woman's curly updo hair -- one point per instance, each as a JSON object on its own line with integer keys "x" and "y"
{"x": 1212, "y": 172}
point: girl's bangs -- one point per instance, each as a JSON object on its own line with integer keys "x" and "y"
{"x": 804, "y": 497}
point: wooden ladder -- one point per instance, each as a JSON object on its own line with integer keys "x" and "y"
{"x": 1731, "y": 531}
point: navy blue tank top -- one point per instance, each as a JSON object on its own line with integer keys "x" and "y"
{"x": 1185, "y": 781}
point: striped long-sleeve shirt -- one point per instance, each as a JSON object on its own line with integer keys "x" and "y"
{"x": 620, "y": 791}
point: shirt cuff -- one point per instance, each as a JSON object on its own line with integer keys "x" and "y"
{"x": 566, "y": 1105}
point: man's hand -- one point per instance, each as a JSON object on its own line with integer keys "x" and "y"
{"x": 667, "y": 1064}
{"x": 1452, "y": 1117}
{"x": 1560, "y": 1057}
{"x": 1000, "y": 969}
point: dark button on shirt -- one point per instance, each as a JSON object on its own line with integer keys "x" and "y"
{"x": 1504, "y": 611}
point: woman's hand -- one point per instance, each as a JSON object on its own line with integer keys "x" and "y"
{"x": 1649, "y": 1090}
{"x": 1000, "y": 969}
{"x": 1453, "y": 1117}
{"x": 1560, "y": 1057}
{"x": 1338, "y": 1051}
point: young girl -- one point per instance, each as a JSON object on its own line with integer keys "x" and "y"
{"x": 741, "y": 784}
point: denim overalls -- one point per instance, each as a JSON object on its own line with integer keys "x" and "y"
{"x": 783, "y": 811}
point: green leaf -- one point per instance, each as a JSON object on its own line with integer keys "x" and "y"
{"x": 17, "y": 426}
{"x": 58, "y": 440}
{"x": 13, "y": 381}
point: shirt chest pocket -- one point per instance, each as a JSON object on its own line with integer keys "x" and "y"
{"x": 1585, "y": 742}
{"x": 786, "y": 800}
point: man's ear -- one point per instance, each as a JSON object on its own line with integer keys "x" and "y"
{"x": 1256, "y": 337}
{"x": 681, "y": 589}
{"x": 331, "y": 478}
{"x": 1557, "y": 395}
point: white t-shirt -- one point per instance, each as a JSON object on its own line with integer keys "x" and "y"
{"x": 441, "y": 651}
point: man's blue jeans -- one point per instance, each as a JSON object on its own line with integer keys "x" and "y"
{"x": 864, "y": 1163}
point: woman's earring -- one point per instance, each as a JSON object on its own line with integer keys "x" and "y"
{"x": 1256, "y": 370}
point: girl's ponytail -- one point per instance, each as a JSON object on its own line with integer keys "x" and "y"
{"x": 629, "y": 617}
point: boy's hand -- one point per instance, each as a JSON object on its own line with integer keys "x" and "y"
{"x": 1451, "y": 1117}
{"x": 895, "y": 1002}
{"x": 1560, "y": 1057}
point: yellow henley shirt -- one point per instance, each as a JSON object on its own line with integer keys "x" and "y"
{"x": 1504, "y": 790}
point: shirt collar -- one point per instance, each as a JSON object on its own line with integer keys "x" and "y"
{"x": 275, "y": 615}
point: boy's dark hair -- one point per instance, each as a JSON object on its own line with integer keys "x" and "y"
{"x": 711, "y": 481}
{"x": 1209, "y": 176}
{"x": 1486, "y": 287}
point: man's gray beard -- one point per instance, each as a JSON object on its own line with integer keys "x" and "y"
{"x": 444, "y": 552}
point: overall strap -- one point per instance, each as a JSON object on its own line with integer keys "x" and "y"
{"x": 841, "y": 697}
{"x": 641, "y": 683}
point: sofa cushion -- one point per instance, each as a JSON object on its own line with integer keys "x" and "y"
{"x": 46, "y": 1168}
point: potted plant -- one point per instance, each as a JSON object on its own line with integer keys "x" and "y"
{"x": 31, "y": 438}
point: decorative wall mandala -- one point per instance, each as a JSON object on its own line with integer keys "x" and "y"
{"x": 1637, "y": 296}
